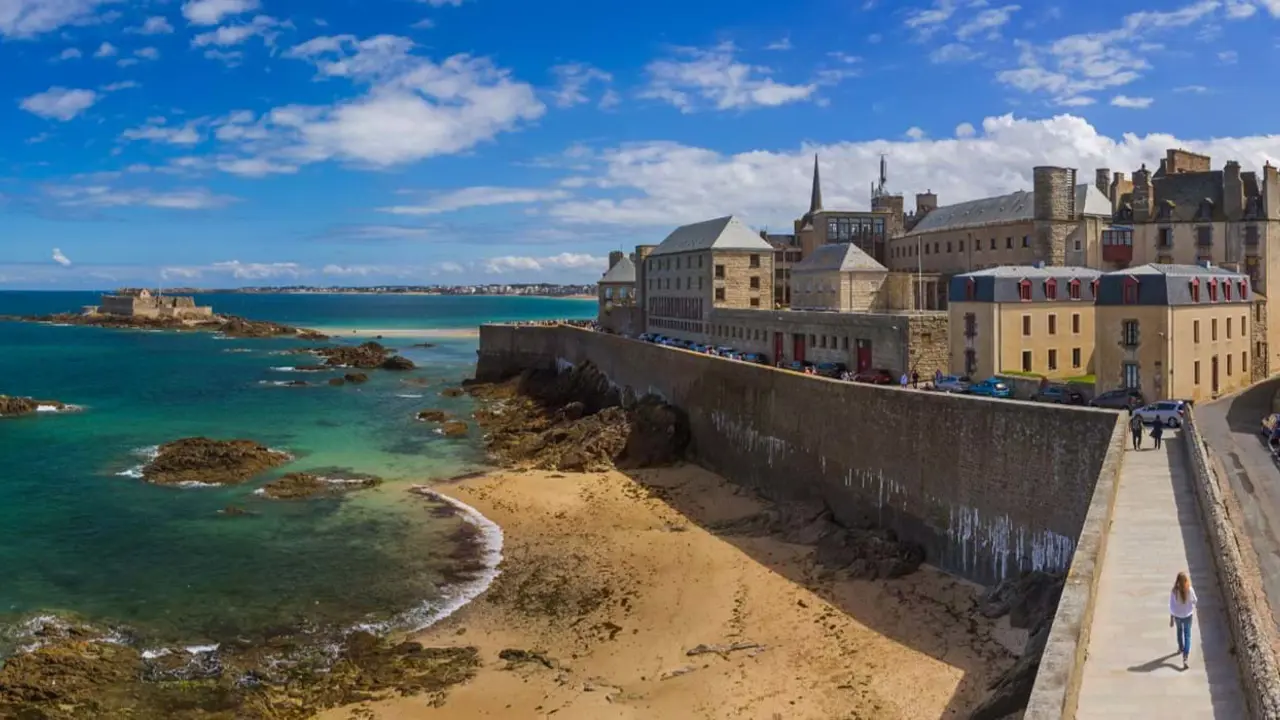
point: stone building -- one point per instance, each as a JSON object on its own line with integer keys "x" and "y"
{"x": 1186, "y": 213}
{"x": 1174, "y": 331}
{"x": 1058, "y": 222}
{"x": 618, "y": 311}
{"x": 698, "y": 268}
{"x": 1023, "y": 320}
{"x": 786, "y": 255}
{"x": 838, "y": 277}
{"x": 132, "y": 302}
{"x": 870, "y": 230}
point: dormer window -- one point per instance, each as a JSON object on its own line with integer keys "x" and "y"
{"x": 1213, "y": 290}
{"x": 1205, "y": 210}
{"x": 1243, "y": 285}
{"x": 1131, "y": 290}
{"x": 1194, "y": 287}
{"x": 1051, "y": 289}
{"x": 1226, "y": 290}
{"x": 1164, "y": 210}
{"x": 1024, "y": 290}
{"x": 1073, "y": 289}
{"x": 1093, "y": 287}
{"x": 970, "y": 289}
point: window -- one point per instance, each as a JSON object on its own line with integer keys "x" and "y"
{"x": 1164, "y": 238}
{"x": 1050, "y": 289}
{"x": 1008, "y": 243}
{"x": 1195, "y": 371}
{"x": 1075, "y": 357}
{"x": 993, "y": 243}
{"x": 926, "y": 248}
{"x": 1053, "y": 360}
{"x": 823, "y": 342}
{"x": 1053, "y": 324}
{"x": 948, "y": 246}
{"x": 970, "y": 289}
{"x": 1026, "y": 361}
{"x": 936, "y": 247}
{"x": 755, "y": 261}
{"x": 1228, "y": 366}
{"x": 720, "y": 294}
{"x": 1228, "y": 328}
{"x": 755, "y": 302}
{"x": 1026, "y": 241}
{"x": 1244, "y": 330}
{"x": 1204, "y": 235}
{"x": 1195, "y": 290}
{"x": 846, "y": 342}
{"x": 1226, "y": 290}
{"x": 1243, "y": 287}
{"x": 755, "y": 283}
{"x": 1244, "y": 360}
{"x": 699, "y": 282}
{"x": 1213, "y": 330}
{"x": 813, "y": 341}
{"x": 699, "y": 262}
{"x": 1024, "y": 291}
{"x": 1129, "y": 333}
{"x": 1195, "y": 331}
{"x": 1131, "y": 290}
{"x": 961, "y": 246}
{"x": 1132, "y": 381}
{"x": 1026, "y": 325}
{"x": 1075, "y": 323}
{"x": 608, "y": 293}
{"x": 1073, "y": 289}
{"x": 719, "y": 272}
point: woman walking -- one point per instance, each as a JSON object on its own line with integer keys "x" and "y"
{"x": 1182, "y": 607}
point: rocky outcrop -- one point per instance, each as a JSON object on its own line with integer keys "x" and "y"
{"x": 452, "y": 392}
{"x": 437, "y": 416}
{"x": 15, "y": 406}
{"x": 356, "y": 378}
{"x": 576, "y": 421}
{"x": 295, "y": 486}
{"x": 228, "y": 325}
{"x": 337, "y": 382}
{"x": 366, "y": 355}
{"x": 454, "y": 428}
{"x": 1030, "y": 601}
{"x": 397, "y": 362}
{"x": 211, "y": 462}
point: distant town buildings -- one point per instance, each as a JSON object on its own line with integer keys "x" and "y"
{"x": 527, "y": 289}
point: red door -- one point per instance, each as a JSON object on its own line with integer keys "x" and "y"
{"x": 797, "y": 347}
{"x": 864, "y": 355}
{"x": 777, "y": 347}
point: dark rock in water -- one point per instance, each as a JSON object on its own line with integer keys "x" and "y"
{"x": 297, "y": 383}
{"x": 311, "y": 335}
{"x": 15, "y": 406}
{"x": 398, "y": 362}
{"x": 222, "y": 462}
{"x": 295, "y": 486}
{"x": 416, "y": 382}
{"x": 234, "y": 511}
{"x": 423, "y": 345}
{"x": 453, "y": 392}
{"x": 311, "y": 368}
{"x": 454, "y": 428}
{"x": 366, "y": 355}
{"x": 356, "y": 378}
{"x": 337, "y": 381}
{"x": 573, "y": 411}
{"x": 1031, "y": 602}
{"x": 438, "y": 416}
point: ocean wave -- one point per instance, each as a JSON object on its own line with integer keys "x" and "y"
{"x": 410, "y": 397}
{"x": 278, "y": 383}
{"x": 66, "y": 408}
{"x": 285, "y": 368}
{"x": 238, "y": 350}
{"x": 433, "y": 611}
{"x": 148, "y": 453}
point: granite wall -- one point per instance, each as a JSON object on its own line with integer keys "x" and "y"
{"x": 988, "y": 487}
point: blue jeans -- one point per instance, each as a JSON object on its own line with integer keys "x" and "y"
{"x": 1182, "y": 626}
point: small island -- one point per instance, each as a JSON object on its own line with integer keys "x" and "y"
{"x": 17, "y": 406}
{"x": 211, "y": 462}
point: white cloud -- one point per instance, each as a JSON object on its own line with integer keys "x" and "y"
{"x": 258, "y": 271}
{"x": 230, "y": 57}
{"x": 1272, "y": 6}
{"x": 106, "y": 49}
{"x": 59, "y": 103}
{"x": 695, "y": 77}
{"x": 658, "y": 185}
{"x": 1075, "y": 101}
{"x": 476, "y": 197}
{"x": 212, "y": 12}
{"x": 783, "y": 44}
{"x": 158, "y": 132}
{"x": 423, "y": 24}
{"x": 875, "y": 38}
{"x": 28, "y": 18}
{"x": 122, "y": 85}
{"x": 127, "y": 62}
{"x": 229, "y": 35}
{"x": 449, "y": 267}
{"x": 915, "y": 133}
{"x": 70, "y": 54}
{"x": 147, "y": 53}
{"x": 154, "y": 25}
{"x": 61, "y": 259}
{"x": 1228, "y": 57}
{"x": 103, "y": 196}
{"x": 927, "y": 22}
{"x": 954, "y": 53}
{"x": 1196, "y": 89}
{"x": 563, "y": 261}
{"x": 1241, "y": 9}
{"x": 965, "y": 130}
{"x": 1136, "y": 103}
{"x": 987, "y": 23}
{"x": 572, "y": 79}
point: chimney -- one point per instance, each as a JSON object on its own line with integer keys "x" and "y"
{"x": 1271, "y": 191}
{"x": 926, "y": 202}
{"x": 615, "y": 257}
{"x": 1232, "y": 192}
{"x": 1142, "y": 195}
{"x": 1102, "y": 178}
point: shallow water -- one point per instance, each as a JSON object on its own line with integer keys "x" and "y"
{"x": 78, "y": 534}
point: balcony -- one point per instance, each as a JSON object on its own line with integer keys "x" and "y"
{"x": 1117, "y": 253}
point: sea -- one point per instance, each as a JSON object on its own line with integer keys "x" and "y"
{"x": 83, "y": 536}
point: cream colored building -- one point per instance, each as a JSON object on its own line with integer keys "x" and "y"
{"x": 698, "y": 268}
{"x": 618, "y": 310}
{"x": 1174, "y": 331}
{"x": 1036, "y": 320}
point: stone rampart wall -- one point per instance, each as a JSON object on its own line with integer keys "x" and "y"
{"x": 988, "y": 487}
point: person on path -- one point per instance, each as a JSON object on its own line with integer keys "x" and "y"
{"x": 1135, "y": 427}
{"x": 937, "y": 378}
{"x": 903, "y": 380}
{"x": 1182, "y": 607}
{"x": 1157, "y": 432}
{"x": 915, "y": 380}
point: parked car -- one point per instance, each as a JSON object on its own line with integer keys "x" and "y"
{"x": 1165, "y": 412}
{"x": 797, "y": 365}
{"x": 992, "y": 387}
{"x": 951, "y": 384}
{"x": 1123, "y": 399}
{"x": 877, "y": 376}
{"x": 831, "y": 369}
{"x": 1059, "y": 394}
{"x": 755, "y": 358}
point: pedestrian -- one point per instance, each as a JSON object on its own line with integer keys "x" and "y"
{"x": 1157, "y": 431}
{"x": 1182, "y": 607}
{"x": 903, "y": 381}
{"x": 937, "y": 378}
{"x": 915, "y": 380}
{"x": 1135, "y": 427}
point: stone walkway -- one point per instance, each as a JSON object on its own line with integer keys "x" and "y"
{"x": 1132, "y": 668}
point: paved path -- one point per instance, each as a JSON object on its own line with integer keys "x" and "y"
{"x": 1132, "y": 669}
{"x": 1230, "y": 428}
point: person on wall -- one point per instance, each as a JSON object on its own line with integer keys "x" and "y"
{"x": 1182, "y": 607}
{"x": 1157, "y": 432}
{"x": 1135, "y": 427}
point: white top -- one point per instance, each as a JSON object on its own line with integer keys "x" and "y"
{"x": 1181, "y": 609}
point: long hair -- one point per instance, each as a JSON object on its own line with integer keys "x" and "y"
{"x": 1182, "y": 587}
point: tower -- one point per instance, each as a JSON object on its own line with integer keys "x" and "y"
{"x": 815, "y": 195}
{"x": 1054, "y": 201}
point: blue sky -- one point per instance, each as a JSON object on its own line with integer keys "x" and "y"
{"x": 250, "y": 142}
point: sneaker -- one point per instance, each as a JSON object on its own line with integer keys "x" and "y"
{"x": 1184, "y": 662}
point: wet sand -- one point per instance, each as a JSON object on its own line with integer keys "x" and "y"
{"x": 614, "y": 585}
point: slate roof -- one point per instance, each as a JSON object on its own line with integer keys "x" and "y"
{"x": 1000, "y": 284}
{"x": 1160, "y": 284}
{"x": 1186, "y": 191}
{"x": 842, "y": 257}
{"x": 1015, "y": 207}
{"x": 726, "y": 233}
{"x": 623, "y": 271}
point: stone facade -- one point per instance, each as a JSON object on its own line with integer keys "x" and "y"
{"x": 143, "y": 304}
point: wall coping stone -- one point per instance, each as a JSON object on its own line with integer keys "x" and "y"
{"x": 1246, "y": 615}
{"x": 1057, "y": 686}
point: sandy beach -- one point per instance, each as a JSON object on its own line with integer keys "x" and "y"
{"x": 618, "y": 603}
{"x": 399, "y": 332}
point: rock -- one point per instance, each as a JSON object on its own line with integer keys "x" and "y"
{"x": 1025, "y": 599}
{"x": 234, "y": 511}
{"x": 438, "y": 416}
{"x": 1031, "y": 601}
{"x": 516, "y": 657}
{"x": 294, "y": 486}
{"x": 311, "y": 335}
{"x": 13, "y": 406}
{"x": 423, "y": 345}
{"x": 365, "y": 355}
{"x": 297, "y": 383}
{"x": 337, "y": 381}
{"x": 869, "y": 554}
{"x": 356, "y": 378}
{"x": 311, "y": 368}
{"x": 398, "y": 362}
{"x": 201, "y": 460}
{"x": 454, "y": 428}
{"x": 453, "y": 392}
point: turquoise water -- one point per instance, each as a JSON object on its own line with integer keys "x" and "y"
{"x": 79, "y": 535}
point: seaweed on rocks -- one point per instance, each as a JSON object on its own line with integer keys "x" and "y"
{"x": 206, "y": 461}
{"x": 295, "y": 486}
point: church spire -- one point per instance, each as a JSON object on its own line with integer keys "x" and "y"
{"x": 815, "y": 201}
